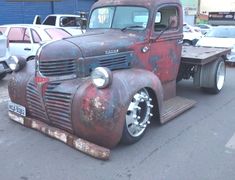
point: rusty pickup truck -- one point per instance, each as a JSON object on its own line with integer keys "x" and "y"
{"x": 107, "y": 85}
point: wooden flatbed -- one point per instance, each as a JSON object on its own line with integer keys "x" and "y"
{"x": 202, "y": 55}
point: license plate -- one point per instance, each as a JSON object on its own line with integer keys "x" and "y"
{"x": 16, "y": 108}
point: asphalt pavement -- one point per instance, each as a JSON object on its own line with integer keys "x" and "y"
{"x": 197, "y": 145}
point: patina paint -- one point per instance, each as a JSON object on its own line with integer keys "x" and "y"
{"x": 69, "y": 101}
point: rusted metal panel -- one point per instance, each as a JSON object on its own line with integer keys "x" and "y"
{"x": 63, "y": 136}
{"x": 78, "y": 107}
{"x": 202, "y": 55}
{"x": 61, "y": 100}
{"x": 147, "y": 3}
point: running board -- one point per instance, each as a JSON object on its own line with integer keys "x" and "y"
{"x": 174, "y": 107}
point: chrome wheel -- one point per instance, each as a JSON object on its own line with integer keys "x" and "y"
{"x": 220, "y": 75}
{"x": 139, "y": 113}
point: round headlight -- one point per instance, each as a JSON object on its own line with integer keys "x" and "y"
{"x": 101, "y": 77}
{"x": 13, "y": 63}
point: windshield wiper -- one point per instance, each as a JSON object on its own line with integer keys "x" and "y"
{"x": 131, "y": 27}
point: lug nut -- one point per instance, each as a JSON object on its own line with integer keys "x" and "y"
{"x": 136, "y": 123}
{"x": 150, "y": 105}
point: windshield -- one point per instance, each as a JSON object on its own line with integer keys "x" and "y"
{"x": 222, "y": 32}
{"x": 119, "y": 17}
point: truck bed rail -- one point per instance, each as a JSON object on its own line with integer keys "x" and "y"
{"x": 202, "y": 55}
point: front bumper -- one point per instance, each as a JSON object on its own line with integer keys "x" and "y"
{"x": 80, "y": 144}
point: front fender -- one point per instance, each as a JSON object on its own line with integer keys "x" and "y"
{"x": 98, "y": 115}
{"x": 18, "y": 83}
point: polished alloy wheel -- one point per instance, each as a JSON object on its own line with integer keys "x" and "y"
{"x": 139, "y": 113}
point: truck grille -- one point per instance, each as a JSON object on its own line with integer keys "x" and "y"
{"x": 58, "y": 105}
{"x": 58, "y": 67}
{"x": 35, "y": 107}
{"x": 113, "y": 61}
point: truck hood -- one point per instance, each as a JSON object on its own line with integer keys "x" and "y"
{"x": 103, "y": 42}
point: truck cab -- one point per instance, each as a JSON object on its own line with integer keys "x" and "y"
{"x": 107, "y": 85}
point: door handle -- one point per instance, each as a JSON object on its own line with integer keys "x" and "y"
{"x": 27, "y": 49}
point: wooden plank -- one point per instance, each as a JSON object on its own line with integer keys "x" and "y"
{"x": 174, "y": 107}
{"x": 201, "y": 55}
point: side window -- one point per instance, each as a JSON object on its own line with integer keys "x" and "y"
{"x": 50, "y": 21}
{"x": 36, "y": 37}
{"x": 26, "y": 38}
{"x": 70, "y": 21}
{"x": 19, "y": 35}
{"x": 164, "y": 16}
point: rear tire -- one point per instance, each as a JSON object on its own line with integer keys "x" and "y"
{"x": 137, "y": 117}
{"x": 30, "y": 58}
{"x": 219, "y": 78}
{"x": 187, "y": 43}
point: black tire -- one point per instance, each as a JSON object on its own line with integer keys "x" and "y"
{"x": 137, "y": 117}
{"x": 30, "y": 58}
{"x": 219, "y": 78}
{"x": 2, "y": 75}
{"x": 187, "y": 43}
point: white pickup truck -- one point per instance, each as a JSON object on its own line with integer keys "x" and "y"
{"x": 70, "y": 22}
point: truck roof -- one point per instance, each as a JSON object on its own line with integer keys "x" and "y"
{"x": 146, "y": 3}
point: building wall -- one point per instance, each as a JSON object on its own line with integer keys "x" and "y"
{"x": 24, "y": 12}
{"x": 190, "y": 8}
{"x": 217, "y": 6}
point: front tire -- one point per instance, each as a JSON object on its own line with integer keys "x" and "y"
{"x": 2, "y": 75}
{"x": 137, "y": 117}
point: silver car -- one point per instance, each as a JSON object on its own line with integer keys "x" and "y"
{"x": 4, "y": 55}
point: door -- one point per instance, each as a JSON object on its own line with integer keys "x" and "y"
{"x": 20, "y": 43}
{"x": 166, "y": 43}
{"x": 166, "y": 46}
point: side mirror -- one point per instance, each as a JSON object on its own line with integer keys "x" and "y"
{"x": 173, "y": 22}
{"x": 16, "y": 63}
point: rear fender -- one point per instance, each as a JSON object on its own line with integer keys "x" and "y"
{"x": 98, "y": 115}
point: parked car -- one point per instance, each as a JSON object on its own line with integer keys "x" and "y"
{"x": 191, "y": 34}
{"x": 221, "y": 36}
{"x": 25, "y": 39}
{"x": 71, "y": 23}
{"x": 4, "y": 55}
{"x": 205, "y": 28}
